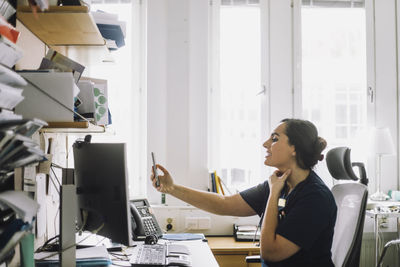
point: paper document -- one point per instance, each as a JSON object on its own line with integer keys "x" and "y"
{"x": 9, "y": 76}
{"x": 246, "y": 232}
{"x": 246, "y": 228}
{"x": 24, "y": 206}
{"x": 183, "y": 236}
{"x": 90, "y": 255}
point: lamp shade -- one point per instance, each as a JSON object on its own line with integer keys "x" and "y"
{"x": 382, "y": 141}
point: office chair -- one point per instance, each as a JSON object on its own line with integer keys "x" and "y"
{"x": 351, "y": 200}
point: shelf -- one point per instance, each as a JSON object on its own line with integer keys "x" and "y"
{"x": 62, "y": 26}
{"x": 73, "y": 127}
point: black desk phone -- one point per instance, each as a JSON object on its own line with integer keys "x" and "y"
{"x": 144, "y": 222}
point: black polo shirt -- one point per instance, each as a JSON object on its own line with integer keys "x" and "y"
{"x": 309, "y": 220}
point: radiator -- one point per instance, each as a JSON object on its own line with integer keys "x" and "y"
{"x": 367, "y": 258}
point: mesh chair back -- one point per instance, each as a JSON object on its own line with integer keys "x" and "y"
{"x": 351, "y": 200}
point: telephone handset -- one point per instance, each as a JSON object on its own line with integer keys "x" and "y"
{"x": 144, "y": 222}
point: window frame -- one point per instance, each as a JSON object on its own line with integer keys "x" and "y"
{"x": 214, "y": 92}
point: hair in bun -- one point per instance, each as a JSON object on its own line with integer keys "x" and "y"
{"x": 303, "y": 135}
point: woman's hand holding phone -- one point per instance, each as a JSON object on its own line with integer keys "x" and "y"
{"x": 155, "y": 170}
{"x": 163, "y": 183}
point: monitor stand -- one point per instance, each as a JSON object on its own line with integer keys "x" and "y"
{"x": 68, "y": 209}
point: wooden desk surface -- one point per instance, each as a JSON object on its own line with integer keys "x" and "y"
{"x": 228, "y": 244}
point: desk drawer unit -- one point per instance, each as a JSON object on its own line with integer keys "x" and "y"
{"x": 230, "y": 253}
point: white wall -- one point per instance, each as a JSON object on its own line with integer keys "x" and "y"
{"x": 383, "y": 79}
{"x": 156, "y": 82}
{"x": 177, "y": 89}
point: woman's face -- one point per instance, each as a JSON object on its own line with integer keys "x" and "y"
{"x": 280, "y": 153}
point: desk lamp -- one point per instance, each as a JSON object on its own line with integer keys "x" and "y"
{"x": 382, "y": 145}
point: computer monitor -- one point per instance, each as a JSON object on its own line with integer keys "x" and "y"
{"x": 102, "y": 189}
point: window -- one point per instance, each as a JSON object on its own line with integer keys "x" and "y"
{"x": 334, "y": 72}
{"x": 236, "y": 112}
{"x": 126, "y": 100}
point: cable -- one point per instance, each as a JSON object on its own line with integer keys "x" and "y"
{"x": 119, "y": 256}
{"x": 54, "y": 184}
{"x": 85, "y": 216}
{"x": 59, "y": 252}
{"x": 47, "y": 243}
{"x": 55, "y": 219}
{"x": 56, "y": 165}
{"x": 100, "y": 241}
{"x": 258, "y": 227}
{"x": 58, "y": 181}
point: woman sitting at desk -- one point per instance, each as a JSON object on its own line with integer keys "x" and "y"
{"x": 297, "y": 210}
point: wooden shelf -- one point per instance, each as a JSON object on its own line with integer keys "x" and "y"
{"x": 72, "y": 127}
{"x": 62, "y": 26}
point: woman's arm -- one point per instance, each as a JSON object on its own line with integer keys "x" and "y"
{"x": 275, "y": 247}
{"x": 222, "y": 205}
{"x": 215, "y": 203}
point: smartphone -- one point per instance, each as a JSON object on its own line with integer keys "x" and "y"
{"x": 155, "y": 170}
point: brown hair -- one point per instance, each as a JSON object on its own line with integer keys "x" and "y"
{"x": 303, "y": 135}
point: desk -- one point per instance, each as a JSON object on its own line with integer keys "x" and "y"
{"x": 229, "y": 252}
{"x": 375, "y": 214}
{"x": 201, "y": 254}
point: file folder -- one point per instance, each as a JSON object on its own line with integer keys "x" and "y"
{"x": 55, "y": 103}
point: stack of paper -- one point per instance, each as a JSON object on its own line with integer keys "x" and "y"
{"x": 17, "y": 214}
{"x": 112, "y": 29}
{"x": 16, "y": 147}
{"x": 10, "y": 53}
{"x": 6, "y": 9}
{"x": 25, "y": 207}
{"x": 10, "y": 92}
{"x": 246, "y": 232}
{"x": 92, "y": 256}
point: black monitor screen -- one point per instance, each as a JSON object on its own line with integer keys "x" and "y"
{"x": 102, "y": 189}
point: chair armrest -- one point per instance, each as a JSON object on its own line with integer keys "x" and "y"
{"x": 252, "y": 259}
{"x": 387, "y": 245}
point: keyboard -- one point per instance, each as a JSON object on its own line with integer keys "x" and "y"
{"x": 160, "y": 255}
